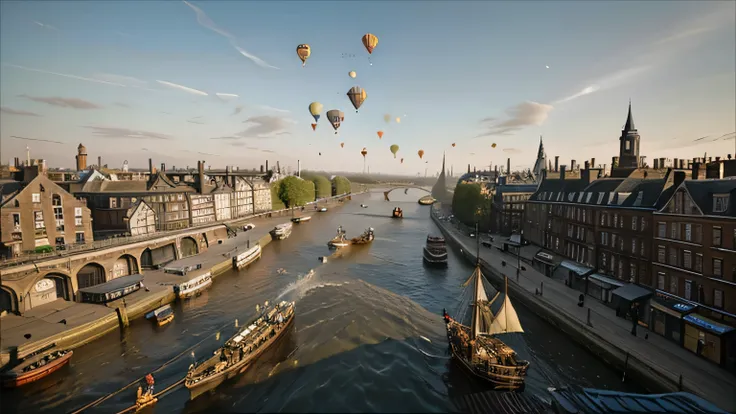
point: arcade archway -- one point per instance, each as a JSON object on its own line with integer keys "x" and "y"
{"x": 90, "y": 275}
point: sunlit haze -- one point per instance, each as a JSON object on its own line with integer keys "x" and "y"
{"x": 221, "y": 81}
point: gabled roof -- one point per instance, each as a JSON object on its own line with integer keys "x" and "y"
{"x": 14, "y": 190}
{"x": 138, "y": 205}
{"x": 702, "y": 192}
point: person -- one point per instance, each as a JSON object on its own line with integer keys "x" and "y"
{"x": 143, "y": 287}
{"x": 280, "y": 319}
{"x": 634, "y": 317}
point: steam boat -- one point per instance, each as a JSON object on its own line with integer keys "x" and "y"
{"x": 281, "y": 231}
{"x": 240, "y": 351}
{"x": 35, "y": 367}
{"x": 435, "y": 251}
{"x": 477, "y": 348}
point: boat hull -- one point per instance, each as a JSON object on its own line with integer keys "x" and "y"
{"x": 10, "y": 381}
{"x": 210, "y": 383}
{"x": 165, "y": 320}
{"x": 240, "y": 263}
{"x": 281, "y": 235}
{"x": 497, "y": 381}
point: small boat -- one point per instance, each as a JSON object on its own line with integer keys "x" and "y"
{"x": 322, "y": 210}
{"x": 162, "y": 315}
{"x": 246, "y": 258}
{"x": 435, "y": 251}
{"x": 427, "y": 200}
{"x": 194, "y": 285}
{"x": 363, "y": 206}
{"x": 365, "y": 238}
{"x": 476, "y": 347}
{"x": 339, "y": 241}
{"x": 588, "y": 400}
{"x": 145, "y": 398}
{"x": 35, "y": 367}
{"x": 281, "y": 231}
{"x": 301, "y": 219}
{"x": 240, "y": 351}
{"x": 397, "y": 213}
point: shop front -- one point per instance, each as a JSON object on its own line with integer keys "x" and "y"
{"x": 630, "y": 295}
{"x": 707, "y": 338}
{"x": 545, "y": 262}
{"x": 602, "y": 287}
{"x": 666, "y": 317}
{"x": 573, "y": 274}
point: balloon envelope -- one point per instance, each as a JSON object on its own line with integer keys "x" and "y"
{"x": 342, "y": 145}
{"x": 335, "y": 117}
{"x": 493, "y": 145}
{"x": 303, "y": 51}
{"x": 352, "y": 74}
{"x": 394, "y": 149}
{"x": 315, "y": 108}
{"x": 387, "y": 118}
{"x": 364, "y": 152}
{"x": 402, "y": 160}
{"x": 420, "y": 153}
{"x": 453, "y": 145}
{"x": 357, "y": 96}
{"x": 398, "y": 120}
{"x": 370, "y": 41}
{"x": 380, "y": 134}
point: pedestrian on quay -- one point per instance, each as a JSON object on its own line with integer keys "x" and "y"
{"x": 634, "y": 317}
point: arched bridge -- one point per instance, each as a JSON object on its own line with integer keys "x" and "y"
{"x": 386, "y": 193}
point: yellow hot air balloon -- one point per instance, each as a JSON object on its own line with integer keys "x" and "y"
{"x": 370, "y": 41}
{"x": 398, "y": 120}
{"x": 420, "y": 153}
{"x": 387, "y": 118}
{"x": 394, "y": 149}
{"x": 303, "y": 51}
{"x": 315, "y": 108}
{"x": 493, "y": 145}
{"x": 352, "y": 74}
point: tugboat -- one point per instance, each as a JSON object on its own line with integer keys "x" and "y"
{"x": 477, "y": 349}
{"x": 339, "y": 241}
{"x": 365, "y": 238}
{"x": 435, "y": 251}
{"x": 35, "y": 367}
{"x": 397, "y": 213}
{"x": 240, "y": 351}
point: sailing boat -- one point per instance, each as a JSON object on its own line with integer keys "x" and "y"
{"x": 476, "y": 347}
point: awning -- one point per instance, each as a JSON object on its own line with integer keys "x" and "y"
{"x": 604, "y": 281}
{"x": 544, "y": 257}
{"x": 576, "y": 267}
{"x": 113, "y": 285}
{"x": 671, "y": 307}
{"x": 633, "y": 293}
{"x": 708, "y": 324}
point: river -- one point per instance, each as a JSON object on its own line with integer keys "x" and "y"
{"x": 368, "y": 335}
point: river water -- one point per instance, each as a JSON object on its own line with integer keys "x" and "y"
{"x": 368, "y": 335}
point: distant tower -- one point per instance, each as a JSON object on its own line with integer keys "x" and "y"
{"x": 81, "y": 158}
{"x": 629, "y": 144}
{"x": 541, "y": 162}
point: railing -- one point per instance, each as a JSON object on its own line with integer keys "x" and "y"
{"x": 71, "y": 249}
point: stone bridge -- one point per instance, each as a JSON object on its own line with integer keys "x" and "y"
{"x": 26, "y": 286}
{"x": 386, "y": 193}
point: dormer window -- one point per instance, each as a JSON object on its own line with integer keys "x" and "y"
{"x": 720, "y": 203}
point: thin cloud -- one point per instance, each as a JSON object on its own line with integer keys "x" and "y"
{"x": 484, "y": 120}
{"x": 610, "y": 81}
{"x": 195, "y": 122}
{"x": 512, "y": 151}
{"x": 75, "y": 103}
{"x": 228, "y": 138}
{"x": 128, "y": 81}
{"x": 235, "y": 144}
{"x": 265, "y": 126}
{"x": 520, "y": 116}
{"x": 36, "y": 139}
{"x": 269, "y": 151}
{"x": 238, "y": 109}
{"x": 112, "y": 132}
{"x": 183, "y": 88}
{"x": 206, "y": 22}
{"x": 45, "y": 26}
{"x": 693, "y": 28}
{"x": 122, "y": 105}
{"x": 64, "y": 75}
{"x": 11, "y": 111}
{"x": 226, "y": 96}
{"x": 726, "y": 137}
{"x": 271, "y": 108}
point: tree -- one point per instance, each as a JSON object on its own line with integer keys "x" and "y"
{"x": 276, "y": 203}
{"x": 294, "y": 191}
{"x": 469, "y": 205}
{"x": 322, "y": 186}
{"x": 340, "y": 185}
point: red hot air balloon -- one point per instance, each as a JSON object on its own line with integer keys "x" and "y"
{"x": 314, "y": 127}
{"x": 380, "y": 134}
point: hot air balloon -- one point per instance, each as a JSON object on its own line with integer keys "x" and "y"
{"x": 315, "y": 108}
{"x": 320, "y": 154}
{"x": 303, "y": 51}
{"x": 342, "y": 145}
{"x": 398, "y": 120}
{"x": 394, "y": 149}
{"x": 364, "y": 152}
{"x": 493, "y": 145}
{"x": 453, "y": 145}
{"x": 387, "y": 118}
{"x": 352, "y": 74}
{"x": 357, "y": 96}
{"x": 370, "y": 41}
{"x": 421, "y": 153}
{"x": 380, "y": 134}
{"x": 335, "y": 117}
{"x": 314, "y": 127}
{"x": 402, "y": 160}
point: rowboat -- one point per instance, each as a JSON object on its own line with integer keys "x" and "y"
{"x": 246, "y": 258}
{"x": 339, "y": 241}
{"x": 397, "y": 213}
{"x": 162, "y": 315}
{"x": 36, "y": 367}
{"x": 301, "y": 219}
{"x": 365, "y": 238}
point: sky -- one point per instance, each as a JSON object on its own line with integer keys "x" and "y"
{"x": 221, "y": 81}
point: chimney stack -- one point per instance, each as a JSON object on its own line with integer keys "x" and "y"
{"x": 562, "y": 171}
{"x": 278, "y": 167}
{"x": 267, "y": 166}
{"x": 200, "y": 174}
{"x": 587, "y": 165}
{"x": 468, "y": 168}
{"x": 99, "y": 162}
{"x": 573, "y": 164}
{"x": 150, "y": 166}
{"x": 163, "y": 167}
{"x": 261, "y": 168}
{"x": 557, "y": 163}
{"x": 592, "y": 163}
{"x": 508, "y": 166}
{"x": 656, "y": 164}
{"x": 718, "y": 159}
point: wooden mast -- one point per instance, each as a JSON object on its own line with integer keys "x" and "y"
{"x": 476, "y": 296}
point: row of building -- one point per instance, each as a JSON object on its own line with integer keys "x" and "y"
{"x": 46, "y": 210}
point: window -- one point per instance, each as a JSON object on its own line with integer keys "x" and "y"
{"x": 77, "y": 211}
{"x": 632, "y": 271}
{"x": 720, "y": 203}
{"x": 643, "y": 224}
{"x": 633, "y": 246}
{"x": 718, "y": 298}
{"x": 38, "y": 219}
{"x": 613, "y": 263}
{"x": 80, "y": 237}
{"x": 615, "y": 219}
{"x": 716, "y": 236}
{"x": 687, "y": 259}
{"x": 16, "y": 220}
{"x": 614, "y": 238}
{"x": 699, "y": 263}
{"x": 641, "y": 247}
{"x": 36, "y": 197}
{"x": 688, "y": 289}
{"x": 634, "y": 221}
{"x": 77, "y": 221}
{"x": 113, "y": 202}
{"x": 628, "y": 145}
{"x": 660, "y": 280}
{"x": 603, "y": 261}
{"x": 698, "y": 233}
{"x": 673, "y": 285}
{"x": 673, "y": 256}
{"x": 674, "y": 230}
{"x": 688, "y": 232}
{"x": 620, "y": 273}
{"x": 662, "y": 229}
{"x": 661, "y": 254}
{"x": 59, "y": 241}
{"x": 718, "y": 267}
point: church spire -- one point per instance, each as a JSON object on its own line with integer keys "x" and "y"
{"x": 443, "y": 163}
{"x": 629, "y": 120}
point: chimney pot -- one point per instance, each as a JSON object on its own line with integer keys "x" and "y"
{"x": 592, "y": 162}
{"x": 718, "y": 159}
{"x": 557, "y": 163}
{"x": 573, "y": 164}
{"x": 99, "y": 162}
{"x": 508, "y": 166}
{"x": 150, "y": 166}
{"x": 587, "y": 165}
{"x": 562, "y": 171}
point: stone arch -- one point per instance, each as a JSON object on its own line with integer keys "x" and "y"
{"x": 8, "y": 299}
{"x": 188, "y": 247}
{"x": 146, "y": 260}
{"x": 90, "y": 274}
{"x": 62, "y": 285}
{"x": 125, "y": 265}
